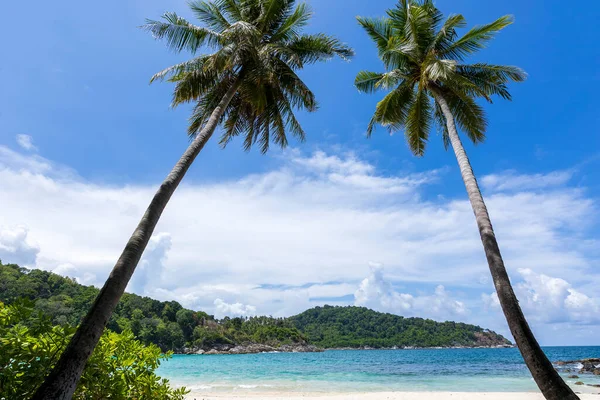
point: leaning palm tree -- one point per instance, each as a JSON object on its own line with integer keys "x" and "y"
{"x": 249, "y": 84}
{"x": 429, "y": 83}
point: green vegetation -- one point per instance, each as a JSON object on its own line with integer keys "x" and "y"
{"x": 120, "y": 368}
{"x": 335, "y": 327}
{"x": 172, "y": 327}
{"x": 165, "y": 324}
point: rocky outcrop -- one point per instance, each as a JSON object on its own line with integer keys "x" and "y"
{"x": 487, "y": 339}
{"x": 585, "y": 366}
{"x": 252, "y": 348}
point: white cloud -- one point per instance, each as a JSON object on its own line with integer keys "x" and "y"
{"x": 26, "y": 142}
{"x": 549, "y": 299}
{"x": 224, "y": 309}
{"x": 152, "y": 265}
{"x": 377, "y": 293}
{"x": 71, "y": 271}
{"x": 299, "y": 234}
{"x": 511, "y": 180}
{"x": 15, "y": 246}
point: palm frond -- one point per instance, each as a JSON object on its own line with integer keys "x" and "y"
{"x": 476, "y": 39}
{"x": 291, "y": 26}
{"x": 319, "y": 47}
{"x": 469, "y": 116}
{"x": 442, "y": 125}
{"x": 181, "y": 34}
{"x": 191, "y": 86}
{"x": 231, "y": 9}
{"x": 194, "y": 64}
{"x": 440, "y": 70}
{"x": 418, "y": 123}
{"x": 392, "y": 110}
{"x": 447, "y": 33}
{"x": 211, "y": 14}
{"x": 379, "y": 30}
{"x": 366, "y": 81}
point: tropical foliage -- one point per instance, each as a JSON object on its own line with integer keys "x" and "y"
{"x": 337, "y": 327}
{"x": 257, "y": 45}
{"x": 120, "y": 368}
{"x": 424, "y": 58}
{"x": 172, "y": 327}
{"x": 165, "y": 324}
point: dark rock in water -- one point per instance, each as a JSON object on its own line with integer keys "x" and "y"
{"x": 579, "y": 383}
{"x": 585, "y": 366}
{"x": 596, "y": 386}
{"x": 573, "y": 377}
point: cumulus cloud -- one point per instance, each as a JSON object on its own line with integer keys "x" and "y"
{"x": 223, "y": 309}
{"x": 15, "y": 246}
{"x": 71, "y": 271}
{"x": 26, "y": 142}
{"x": 300, "y": 234}
{"x": 148, "y": 273}
{"x": 377, "y": 293}
{"x": 549, "y": 299}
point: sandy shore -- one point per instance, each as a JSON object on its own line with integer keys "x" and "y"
{"x": 381, "y": 396}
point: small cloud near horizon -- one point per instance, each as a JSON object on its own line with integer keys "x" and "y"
{"x": 26, "y": 142}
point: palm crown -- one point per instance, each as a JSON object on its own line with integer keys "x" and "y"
{"x": 257, "y": 45}
{"x": 423, "y": 56}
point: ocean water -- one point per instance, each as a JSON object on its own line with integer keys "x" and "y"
{"x": 463, "y": 370}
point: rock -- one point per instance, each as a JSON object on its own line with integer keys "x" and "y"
{"x": 252, "y": 348}
{"x": 596, "y": 386}
{"x": 585, "y": 366}
{"x": 573, "y": 377}
{"x": 579, "y": 383}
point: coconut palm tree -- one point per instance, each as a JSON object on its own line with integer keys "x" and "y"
{"x": 248, "y": 84}
{"x": 429, "y": 83}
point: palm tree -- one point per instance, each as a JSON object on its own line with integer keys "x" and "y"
{"x": 249, "y": 84}
{"x": 428, "y": 84}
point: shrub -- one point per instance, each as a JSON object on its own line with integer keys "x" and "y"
{"x": 120, "y": 367}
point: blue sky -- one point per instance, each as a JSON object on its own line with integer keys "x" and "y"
{"x": 75, "y": 79}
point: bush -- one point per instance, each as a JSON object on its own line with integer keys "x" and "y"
{"x": 120, "y": 367}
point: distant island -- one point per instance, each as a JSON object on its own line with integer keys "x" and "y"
{"x": 174, "y": 328}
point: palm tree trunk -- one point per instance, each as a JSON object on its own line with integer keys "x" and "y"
{"x": 548, "y": 380}
{"x": 62, "y": 381}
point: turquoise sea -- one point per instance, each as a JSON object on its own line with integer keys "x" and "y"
{"x": 464, "y": 370}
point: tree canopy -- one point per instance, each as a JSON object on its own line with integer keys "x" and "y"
{"x": 423, "y": 55}
{"x": 172, "y": 327}
{"x": 256, "y": 44}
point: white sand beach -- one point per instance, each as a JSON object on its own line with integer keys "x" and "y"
{"x": 589, "y": 394}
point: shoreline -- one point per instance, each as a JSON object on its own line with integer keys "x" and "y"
{"x": 382, "y": 395}
{"x": 266, "y": 349}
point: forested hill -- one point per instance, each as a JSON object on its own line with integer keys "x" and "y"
{"x": 340, "y": 327}
{"x": 173, "y": 327}
{"x": 166, "y": 324}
